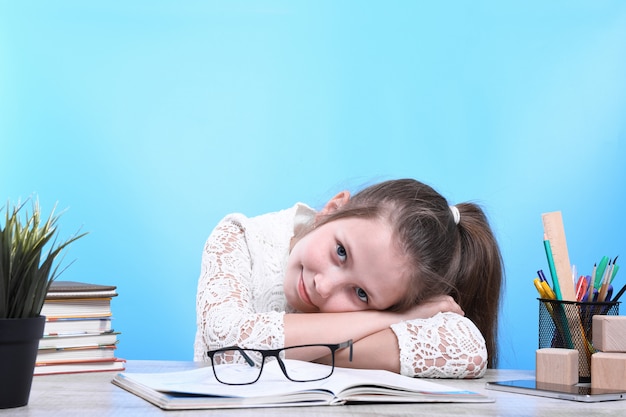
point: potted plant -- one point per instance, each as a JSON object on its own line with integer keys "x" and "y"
{"x": 28, "y": 250}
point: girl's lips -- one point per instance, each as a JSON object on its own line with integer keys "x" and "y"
{"x": 303, "y": 293}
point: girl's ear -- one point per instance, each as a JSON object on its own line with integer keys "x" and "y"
{"x": 335, "y": 203}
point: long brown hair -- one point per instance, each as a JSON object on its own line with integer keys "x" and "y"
{"x": 462, "y": 260}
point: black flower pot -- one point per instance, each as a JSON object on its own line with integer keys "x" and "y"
{"x": 19, "y": 341}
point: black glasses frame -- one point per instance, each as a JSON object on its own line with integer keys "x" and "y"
{"x": 265, "y": 353}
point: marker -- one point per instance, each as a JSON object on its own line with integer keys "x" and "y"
{"x": 605, "y": 283}
{"x": 581, "y": 288}
{"x": 591, "y": 284}
{"x": 589, "y": 293}
{"x": 600, "y": 272}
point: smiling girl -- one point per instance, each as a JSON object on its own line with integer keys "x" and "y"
{"x": 413, "y": 281}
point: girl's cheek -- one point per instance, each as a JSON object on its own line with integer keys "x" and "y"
{"x": 339, "y": 303}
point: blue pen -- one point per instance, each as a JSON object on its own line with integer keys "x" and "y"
{"x": 542, "y": 277}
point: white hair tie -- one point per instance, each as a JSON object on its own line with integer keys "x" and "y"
{"x": 455, "y": 214}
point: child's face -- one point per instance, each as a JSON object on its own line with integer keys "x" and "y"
{"x": 348, "y": 264}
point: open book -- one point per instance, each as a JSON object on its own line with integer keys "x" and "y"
{"x": 198, "y": 389}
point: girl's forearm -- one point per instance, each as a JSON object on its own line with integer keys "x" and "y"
{"x": 312, "y": 328}
{"x": 376, "y": 351}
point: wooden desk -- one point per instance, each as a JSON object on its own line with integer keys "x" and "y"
{"x": 94, "y": 395}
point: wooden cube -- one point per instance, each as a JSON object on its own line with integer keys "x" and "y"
{"x": 609, "y": 333}
{"x": 557, "y": 366}
{"x": 608, "y": 370}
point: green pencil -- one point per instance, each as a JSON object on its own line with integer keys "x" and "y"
{"x": 555, "y": 280}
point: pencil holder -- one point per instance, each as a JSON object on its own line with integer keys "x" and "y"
{"x": 568, "y": 325}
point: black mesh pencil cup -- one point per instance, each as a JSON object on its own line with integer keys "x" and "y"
{"x": 568, "y": 324}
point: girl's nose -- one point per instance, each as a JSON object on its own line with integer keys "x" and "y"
{"x": 323, "y": 285}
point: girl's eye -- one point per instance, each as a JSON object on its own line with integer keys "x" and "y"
{"x": 362, "y": 295}
{"x": 341, "y": 252}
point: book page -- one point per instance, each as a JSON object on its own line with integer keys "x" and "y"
{"x": 273, "y": 383}
{"x": 201, "y": 381}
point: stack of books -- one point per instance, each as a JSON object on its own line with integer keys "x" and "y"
{"x": 78, "y": 334}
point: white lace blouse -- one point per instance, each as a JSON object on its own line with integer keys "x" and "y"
{"x": 240, "y": 301}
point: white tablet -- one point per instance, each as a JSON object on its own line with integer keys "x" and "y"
{"x": 579, "y": 392}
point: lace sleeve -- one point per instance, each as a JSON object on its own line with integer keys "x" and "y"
{"x": 225, "y": 309}
{"x": 444, "y": 346}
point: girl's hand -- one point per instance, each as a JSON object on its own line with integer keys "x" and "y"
{"x": 428, "y": 308}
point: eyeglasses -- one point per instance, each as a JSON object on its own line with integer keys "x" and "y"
{"x": 255, "y": 358}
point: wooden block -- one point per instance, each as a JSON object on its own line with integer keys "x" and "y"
{"x": 609, "y": 333}
{"x": 608, "y": 370}
{"x": 557, "y": 366}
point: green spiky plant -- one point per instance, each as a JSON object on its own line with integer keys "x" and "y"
{"x": 27, "y": 260}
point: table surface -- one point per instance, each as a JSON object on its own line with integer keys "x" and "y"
{"x": 93, "y": 394}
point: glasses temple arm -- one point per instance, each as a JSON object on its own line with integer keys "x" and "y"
{"x": 247, "y": 358}
{"x": 347, "y": 344}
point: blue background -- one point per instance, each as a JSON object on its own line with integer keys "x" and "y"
{"x": 150, "y": 120}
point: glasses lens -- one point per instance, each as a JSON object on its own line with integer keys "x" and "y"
{"x": 304, "y": 371}
{"x": 239, "y": 366}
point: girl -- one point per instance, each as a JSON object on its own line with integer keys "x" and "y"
{"x": 414, "y": 282}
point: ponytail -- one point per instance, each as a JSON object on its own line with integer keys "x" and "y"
{"x": 476, "y": 269}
